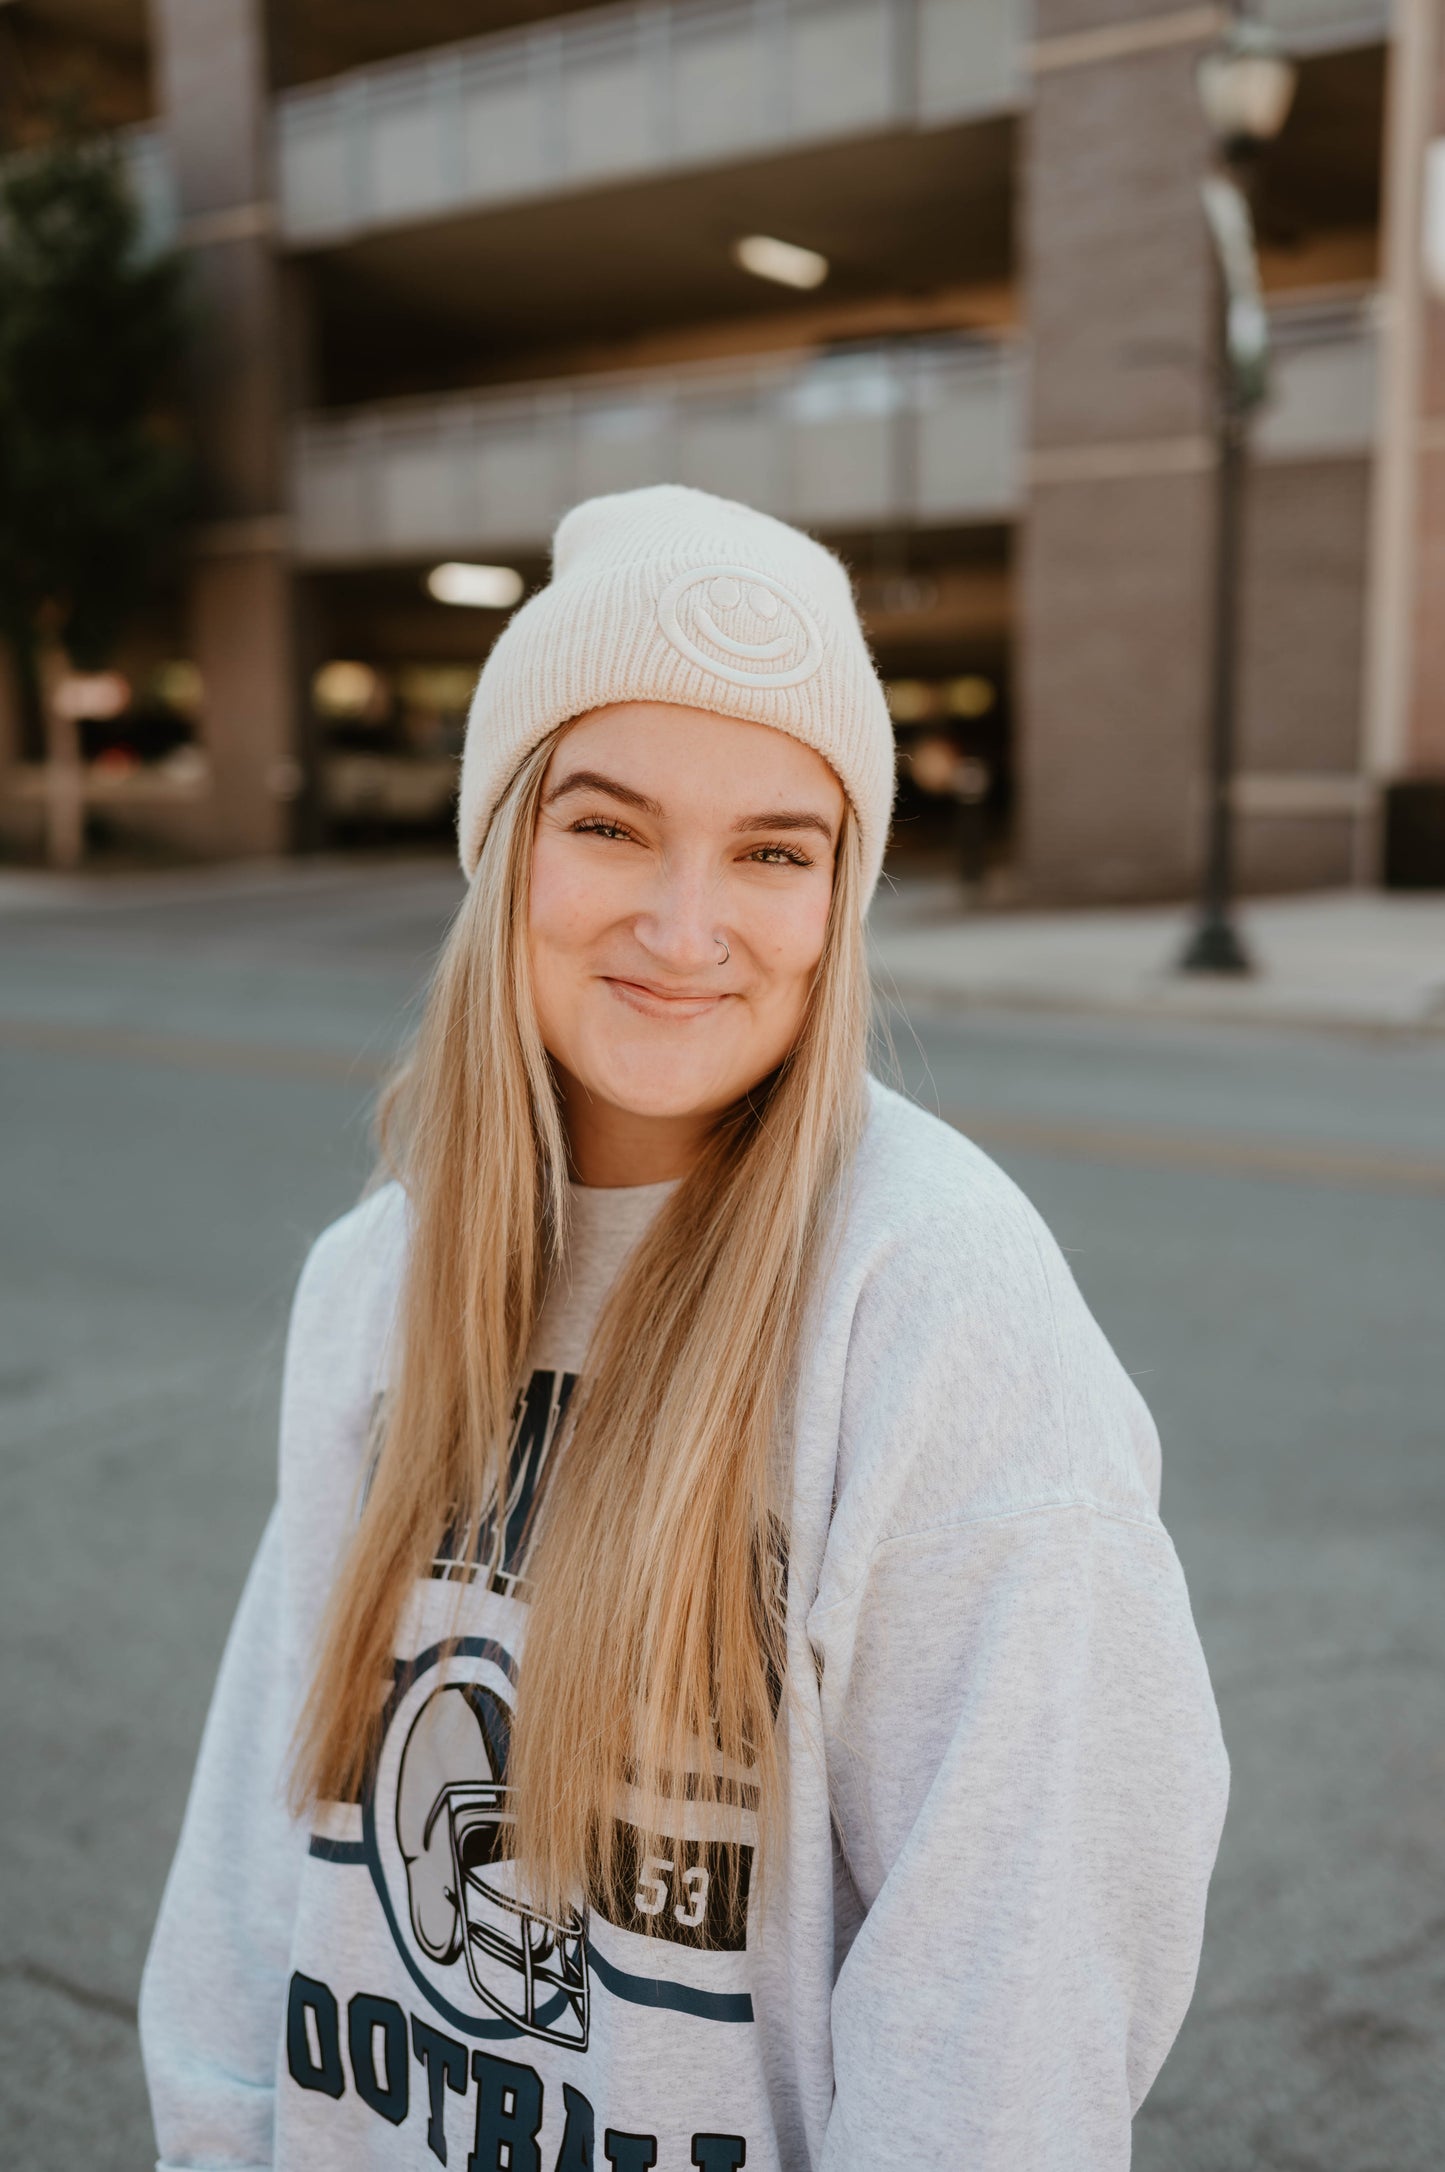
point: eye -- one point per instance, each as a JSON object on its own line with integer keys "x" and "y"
{"x": 599, "y": 826}
{"x": 780, "y": 856}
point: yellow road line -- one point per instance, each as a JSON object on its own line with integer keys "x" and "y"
{"x": 1218, "y": 1152}
{"x": 194, "y": 1052}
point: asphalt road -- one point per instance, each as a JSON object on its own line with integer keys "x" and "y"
{"x": 1257, "y": 1219}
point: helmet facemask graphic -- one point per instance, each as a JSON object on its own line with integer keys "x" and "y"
{"x": 454, "y": 1829}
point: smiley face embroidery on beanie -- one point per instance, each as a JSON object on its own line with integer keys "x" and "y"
{"x": 742, "y": 626}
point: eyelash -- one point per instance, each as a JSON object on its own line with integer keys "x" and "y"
{"x": 785, "y": 855}
{"x": 598, "y": 826}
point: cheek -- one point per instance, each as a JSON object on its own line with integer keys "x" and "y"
{"x": 787, "y": 935}
{"x": 567, "y": 904}
{"x": 565, "y": 913}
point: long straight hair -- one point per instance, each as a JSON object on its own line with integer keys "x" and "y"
{"x": 653, "y": 1658}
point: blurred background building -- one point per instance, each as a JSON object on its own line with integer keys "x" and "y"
{"x": 929, "y": 277}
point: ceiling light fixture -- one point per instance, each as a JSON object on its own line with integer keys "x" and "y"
{"x": 95, "y": 695}
{"x": 781, "y": 261}
{"x": 477, "y": 588}
{"x": 346, "y": 688}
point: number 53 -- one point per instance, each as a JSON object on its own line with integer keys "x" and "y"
{"x": 652, "y": 1892}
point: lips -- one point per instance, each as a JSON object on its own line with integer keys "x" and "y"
{"x": 655, "y": 1001}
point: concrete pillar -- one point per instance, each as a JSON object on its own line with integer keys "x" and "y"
{"x": 214, "y": 102}
{"x": 1423, "y": 752}
{"x": 1301, "y": 801}
{"x": 1115, "y": 550}
{"x": 1404, "y": 736}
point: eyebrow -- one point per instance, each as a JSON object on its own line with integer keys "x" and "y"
{"x": 785, "y": 818}
{"x": 777, "y": 818}
{"x": 592, "y": 780}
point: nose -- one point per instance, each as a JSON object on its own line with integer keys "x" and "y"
{"x": 679, "y": 923}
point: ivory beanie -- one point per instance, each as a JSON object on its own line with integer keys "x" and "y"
{"x": 669, "y": 594}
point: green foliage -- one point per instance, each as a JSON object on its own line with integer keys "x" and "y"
{"x": 93, "y": 472}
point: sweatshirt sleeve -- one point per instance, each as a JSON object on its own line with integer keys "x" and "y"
{"x": 1025, "y": 1766}
{"x": 1029, "y": 1785}
{"x": 214, "y": 1988}
{"x": 213, "y": 1993}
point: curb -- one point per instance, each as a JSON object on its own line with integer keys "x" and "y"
{"x": 1168, "y": 1007}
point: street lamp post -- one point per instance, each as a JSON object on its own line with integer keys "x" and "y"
{"x": 1246, "y": 84}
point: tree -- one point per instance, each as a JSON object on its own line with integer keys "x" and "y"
{"x": 94, "y": 476}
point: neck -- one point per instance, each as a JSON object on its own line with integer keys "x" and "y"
{"x": 611, "y": 1147}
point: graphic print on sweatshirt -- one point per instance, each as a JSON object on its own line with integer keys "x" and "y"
{"x": 436, "y": 1837}
{"x": 501, "y": 1540}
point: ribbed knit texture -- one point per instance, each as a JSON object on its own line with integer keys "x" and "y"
{"x": 669, "y": 594}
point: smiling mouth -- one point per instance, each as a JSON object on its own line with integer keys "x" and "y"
{"x": 657, "y": 1002}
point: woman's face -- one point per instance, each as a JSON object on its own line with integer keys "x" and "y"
{"x": 665, "y": 837}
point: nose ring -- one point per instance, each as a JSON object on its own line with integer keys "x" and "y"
{"x": 726, "y": 953}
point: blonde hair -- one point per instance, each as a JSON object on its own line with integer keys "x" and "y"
{"x": 654, "y": 1655}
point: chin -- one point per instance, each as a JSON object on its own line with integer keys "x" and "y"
{"x": 662, "y": 1081}
{"x": 658, "y": 1095}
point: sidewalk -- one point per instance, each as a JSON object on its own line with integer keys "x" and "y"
{"x": 1349, "y": 959}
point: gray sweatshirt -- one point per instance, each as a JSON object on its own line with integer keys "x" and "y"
{"x": 1005, "y": 1775}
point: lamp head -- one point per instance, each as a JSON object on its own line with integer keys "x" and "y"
{"x": 1246, "y": 87}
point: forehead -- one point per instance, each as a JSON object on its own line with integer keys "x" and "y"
{"x": 684, "y": 757}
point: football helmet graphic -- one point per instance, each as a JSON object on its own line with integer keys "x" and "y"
{"x": 454, "y": 1830}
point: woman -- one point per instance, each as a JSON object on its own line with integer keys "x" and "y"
{"x": 715, "y": 1690}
